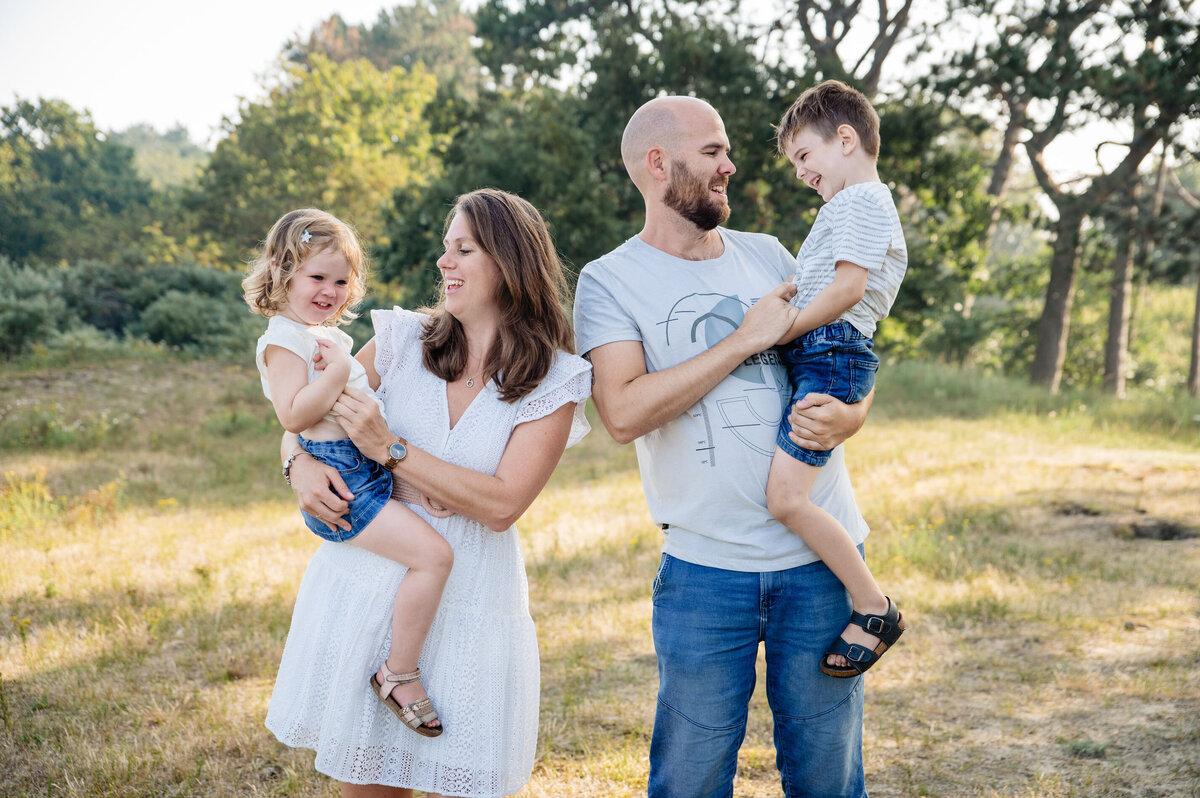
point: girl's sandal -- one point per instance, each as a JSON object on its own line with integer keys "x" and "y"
{"x": 887, "y": 627}
{"x": 416, "y": 715}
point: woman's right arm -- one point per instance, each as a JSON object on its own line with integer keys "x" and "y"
{"x": 318, "y": 487}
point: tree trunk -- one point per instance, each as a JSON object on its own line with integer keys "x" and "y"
{"x": 1146, "y": 243}
{"x": 1116, "y": 348}
{"x": 1001, "y": 171}
{"x": 1052, "y": 327}
{"x": 1194, "y": 369}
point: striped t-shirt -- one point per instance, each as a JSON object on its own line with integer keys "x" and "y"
{"x": 859, "y": 225}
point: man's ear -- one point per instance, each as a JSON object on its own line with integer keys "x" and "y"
{"x": 656, "y": 163}
{"x": 847, "y": 138}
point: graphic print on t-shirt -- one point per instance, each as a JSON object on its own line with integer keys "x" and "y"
{"x": 746, "y": 402}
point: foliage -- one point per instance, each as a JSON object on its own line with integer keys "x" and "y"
{"x": 386, "y": 122}
{"x": 1056, "y": 67}
{"x": 167, "y": 159}
{"x": 340, "y": 137}
{"x": 31, "y": 306}
{"x": 190, "y": 320}
{"x": 530, "y": 144}
{"x": 436, "y": 34}
{"x": 94, "y": 309}
{"x": 66, "y": 190}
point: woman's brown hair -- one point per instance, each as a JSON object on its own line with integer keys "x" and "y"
{"x": 531, "y": 297}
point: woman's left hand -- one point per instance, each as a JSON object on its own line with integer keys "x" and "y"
{"x": 364, "y": 424}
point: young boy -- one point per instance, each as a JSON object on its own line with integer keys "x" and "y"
{"x": 847, "y": 274}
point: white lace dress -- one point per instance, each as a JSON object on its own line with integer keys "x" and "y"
{"x": 480, "y": 661}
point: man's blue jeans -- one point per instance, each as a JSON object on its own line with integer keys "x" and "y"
{"x": 708, "y": 623}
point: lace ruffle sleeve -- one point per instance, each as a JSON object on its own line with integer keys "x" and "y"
{"x": 569, "y": 380}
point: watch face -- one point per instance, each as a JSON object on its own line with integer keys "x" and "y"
{"x": 397, "y": 450}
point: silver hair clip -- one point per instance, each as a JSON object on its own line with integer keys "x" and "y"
{"x": 306, "y": 237}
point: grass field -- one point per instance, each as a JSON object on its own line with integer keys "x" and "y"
{"x": 1044, "y": 550}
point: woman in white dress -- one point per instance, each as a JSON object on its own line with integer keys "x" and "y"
{"x": 483, "y": 394}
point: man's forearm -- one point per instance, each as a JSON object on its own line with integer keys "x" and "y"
{"x": 653, "y": 399}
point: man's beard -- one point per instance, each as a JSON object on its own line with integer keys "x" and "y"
{"x": 691, "y": 199}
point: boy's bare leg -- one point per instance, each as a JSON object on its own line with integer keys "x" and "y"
{"x": 788, "y": 487}
{"x": 400, "y": 535}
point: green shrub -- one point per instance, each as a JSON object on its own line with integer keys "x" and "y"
{"x": 31, "y": 306}
{"x": 189, "y": 320}
{"x": 98, "y": 294}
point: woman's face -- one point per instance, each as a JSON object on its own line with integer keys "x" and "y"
{"x": 470, "y": 277}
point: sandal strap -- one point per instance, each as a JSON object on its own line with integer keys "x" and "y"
{"x": 391, "y": 679}
{"x": 400, "y": 678}
{"x": 860, "y": 658}
{"x": 419, "y": 713}
{"x": 887, "y": 627}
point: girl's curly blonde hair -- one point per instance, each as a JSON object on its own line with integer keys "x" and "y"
{"x": 298, "y": 235}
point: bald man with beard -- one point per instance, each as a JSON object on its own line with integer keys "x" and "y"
{"x": 679, "y": 324}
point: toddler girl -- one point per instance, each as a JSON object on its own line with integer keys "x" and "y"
{"x": 307, "y": 277}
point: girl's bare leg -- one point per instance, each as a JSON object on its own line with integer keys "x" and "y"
{"x": 400, "y": 535}
{"x": 374, "y": 791}
{"x": 787, "y": 498}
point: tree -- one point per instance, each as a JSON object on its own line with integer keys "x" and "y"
{"x": 164, "y": 159}
{"x": 614, "y": 56}
{"x": 1191, "y": 202}
{"x": 532, "y": 144}
{"x": 433, "y": 33}
{"x": 66, "y": 189}
{"x": 341, "y": 137}
{"x": 1057, "y": 67}
{"x": 826, "y": 26}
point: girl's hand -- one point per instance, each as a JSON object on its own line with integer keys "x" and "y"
{"x": 321, "y": 492}
{"x": 329, "y": 354}
{"x": 364, "y": 424}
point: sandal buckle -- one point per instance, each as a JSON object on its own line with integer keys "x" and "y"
{"x": 876, "y": 625}
{"x": 857, "y": 653}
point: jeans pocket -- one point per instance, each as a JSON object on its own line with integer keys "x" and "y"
{"x": 656, "y": 588}
{"x": 862, "y": 377}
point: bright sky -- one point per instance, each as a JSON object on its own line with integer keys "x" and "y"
{"x": 157, "y": 61}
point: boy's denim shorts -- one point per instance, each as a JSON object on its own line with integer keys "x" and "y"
{"x": 370, "y": 483}
{"x": 835, "y": 359}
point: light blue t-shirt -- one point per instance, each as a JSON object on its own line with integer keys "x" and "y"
{"x": 705, "y": 472}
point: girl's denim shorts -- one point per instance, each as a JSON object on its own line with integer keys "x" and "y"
{"x": 370, "y": 483}
{"x": 835, "y": 359}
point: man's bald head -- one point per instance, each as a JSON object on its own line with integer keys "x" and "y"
{"x": 659, "y": 123}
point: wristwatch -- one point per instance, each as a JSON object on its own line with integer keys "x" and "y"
{"x": 396, "y": 452}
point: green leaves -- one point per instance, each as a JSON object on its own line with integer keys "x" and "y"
{"x": 340, "y": 137}
{"x": 66, "y": 190}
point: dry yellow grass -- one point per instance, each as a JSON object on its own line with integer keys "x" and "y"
{"x": 1054, "y": 650}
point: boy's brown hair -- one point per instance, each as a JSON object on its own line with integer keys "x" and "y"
{"x": 826, "y": 107}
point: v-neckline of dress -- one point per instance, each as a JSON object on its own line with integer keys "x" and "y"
{"x": 451, "y": 424}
